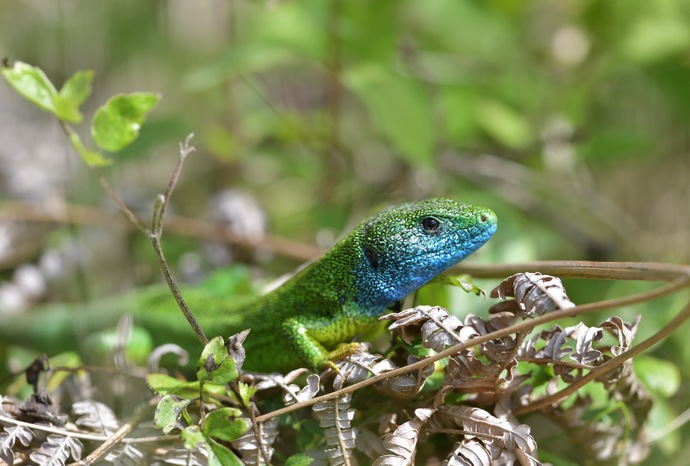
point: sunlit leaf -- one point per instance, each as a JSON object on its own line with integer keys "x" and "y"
{"x": 117, "y": 123}
{"x": 215, "y": 364}
{"x": 90, "y": 157}
{"x": 661, "y": 377}
{"x": 226, "y": 424}
{"x": 504, "y": 124}
{"x": 168, "y": 413}
{"x": 399, "y": 107}
{"x": 73, "y": 93}
{"x": 32, "y": 83}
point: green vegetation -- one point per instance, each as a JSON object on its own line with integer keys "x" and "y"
{"x": 568, "y": 118}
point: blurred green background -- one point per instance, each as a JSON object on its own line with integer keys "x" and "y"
{"x": 568, "y": 117}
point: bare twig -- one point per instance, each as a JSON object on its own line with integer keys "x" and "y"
{"x": 136, "y": 221}
{"x": 156, "y": 233}
{"x": 174, "y": 225}
{"x": 116, "y": 438}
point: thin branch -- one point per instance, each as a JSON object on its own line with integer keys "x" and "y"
{"x": 114, "y": 439}
{"x": 175, "y": 225}
{"x": 648, "y": 271}
{"x": 136, "y": 221}
{"x": 156, "y": 234}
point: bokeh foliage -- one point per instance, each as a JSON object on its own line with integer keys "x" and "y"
{"x": 568, "y": 117}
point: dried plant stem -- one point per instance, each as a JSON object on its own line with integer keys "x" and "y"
{"x": 677, "y": 284}
{"x": 136, "y": 221}
{"x": 115, "y": 439}
{"x": 609, "y": 365}
{"x": 258, "y": 435}
{"x": 27, "y": 211}
{"x": 648, "y": 271}
{"x": 156, "y": 233}
{"x": 339, "y": 431}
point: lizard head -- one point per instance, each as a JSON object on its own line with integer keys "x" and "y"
{"x": 407, "y": 245}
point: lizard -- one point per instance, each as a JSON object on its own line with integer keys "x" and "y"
{"x": 307, "y": 321}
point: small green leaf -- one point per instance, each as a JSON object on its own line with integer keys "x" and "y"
{"x": 463, "y": 282}
{"x": 246, "y": 392}
{"x": 226, "y": 424}
{"x": 400, "y": 107}
{"x": 117, "y": 123}
{"x": 215, "y": 364}
{"x": 220, "y": 455}
{"x": 192, "y": 437}
{"x": 168, "y": 412}
{"x": 300, "y": 459}
{"x": 662, "y": 377}
{"x": 32, "y": 83}
{"x": 504, "y": 124}
{"x": 166, "y": 385}
{"x": 90, "y": 157}
{"x": 73, "y": 93}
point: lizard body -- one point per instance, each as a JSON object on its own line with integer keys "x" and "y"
{"x": 301, "y": 323}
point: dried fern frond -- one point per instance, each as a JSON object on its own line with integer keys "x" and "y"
{"x": 402, "y": 443}
{"x": 515, "y": 441}
{"x": 247, "y": 446}
{"x": 534, "y": 292}
{"x": 57, "y": 449}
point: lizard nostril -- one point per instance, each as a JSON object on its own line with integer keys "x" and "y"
{"x": 483, "y": 218}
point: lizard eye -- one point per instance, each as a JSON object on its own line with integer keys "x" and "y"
{"x": 430, "y": 224}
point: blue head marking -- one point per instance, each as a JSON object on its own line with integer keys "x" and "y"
{"x": 408, "y": 245}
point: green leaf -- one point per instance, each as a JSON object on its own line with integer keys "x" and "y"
{"x": 662, "y": 377}
{"x": 504, "y": 124}
{"x": 73, "y": 93}
{"x": 215, "y": 364}
{"x": 90, "y": 157}
{"x": 31, "y": 83}
{"x": 246, "y": 392}
{"x": 226, "y": 424}
{"x": 221, "y": 455}
{"x": 166, "y": 385}
{"x": 137, "y": 347}
{"x": 463, "y": 282}
{"x": 300, "y": 459}
{"x": 117, "y": 123}
{"x": 192, "y": 437}
{"x": 399, "y": 107}
{"x": 218, "y": 455}
{"x": 168, "y": 412}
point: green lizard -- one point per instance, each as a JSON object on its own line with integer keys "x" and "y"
{"x": 305, "y": 321}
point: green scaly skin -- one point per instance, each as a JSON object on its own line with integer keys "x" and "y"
{"x": 303, "y": 322}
